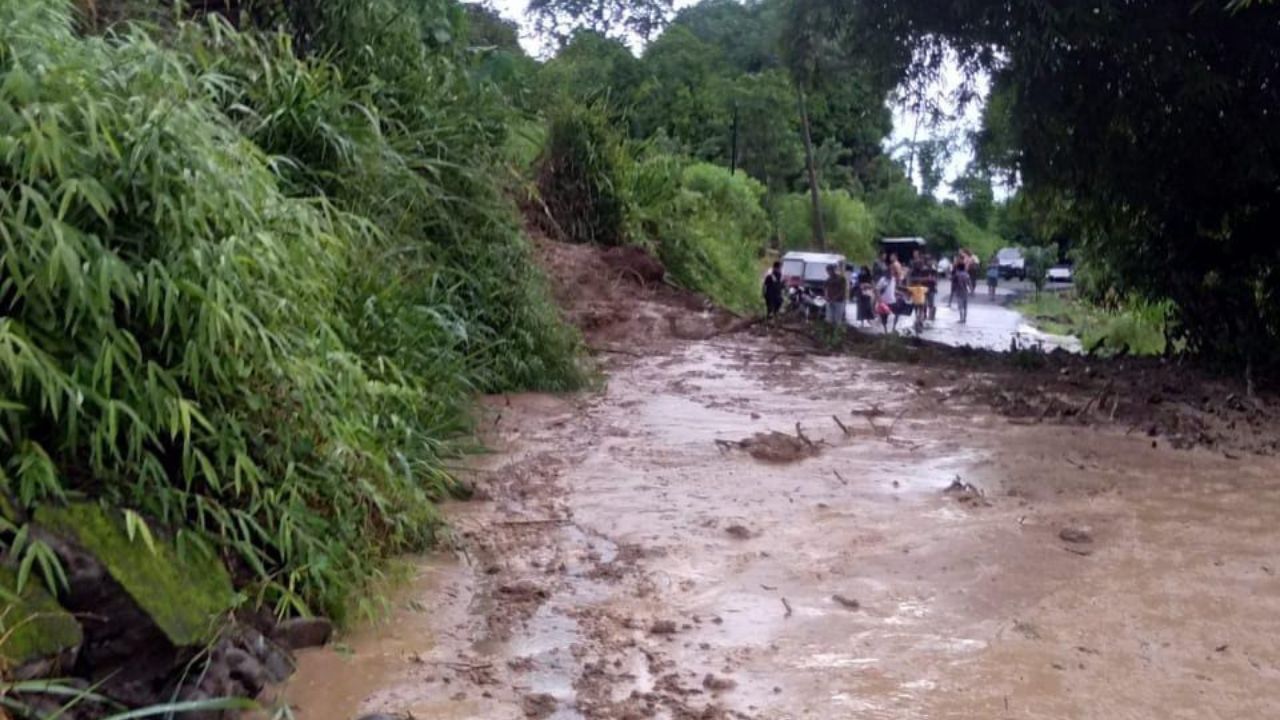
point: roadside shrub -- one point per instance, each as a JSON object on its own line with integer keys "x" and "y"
{"x": 707, "y": 225}
{"x": 269, "y": 353}
{"x": 580, "y": 177}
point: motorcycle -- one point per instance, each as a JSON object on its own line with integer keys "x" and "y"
{"x": 806, "y": 303}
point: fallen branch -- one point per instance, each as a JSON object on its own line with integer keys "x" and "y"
{"x": 843, "y": 428}
{"x": 800, "y": 434}
{"x": 786, "y": 605}
{"x": 842, "y": 480}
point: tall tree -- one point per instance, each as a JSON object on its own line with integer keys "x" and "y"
{"x": 808, "y": 52}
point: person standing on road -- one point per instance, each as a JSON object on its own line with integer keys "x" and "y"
{"x": 773, "y": 291}
{"x": 887, "y": 287}
{"x": 836, "y": 292}
{"x": 993, "y": 278}
{"x": 960, "y": 291}
{"x": 957, "y": 263}
{"x": 865, "y": 297}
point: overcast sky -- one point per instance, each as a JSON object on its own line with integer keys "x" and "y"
{"x": 904, "y": 120}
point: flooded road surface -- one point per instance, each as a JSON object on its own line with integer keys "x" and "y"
{"x": 634, "y": 559}
{"x": 992, "y": 324}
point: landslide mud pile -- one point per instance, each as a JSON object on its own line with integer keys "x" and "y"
{"x": 620, "y": 299}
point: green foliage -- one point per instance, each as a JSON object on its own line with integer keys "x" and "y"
{"x": 248, "y": 295}
{"x": 1036, "y": 262}
{"x": 580, "y": 177}
{"x": 850, "y": 227}
{"x": 769, "y": 146}
{"x": 708, "y": 226}
{"x": 183, "y": 592}
{"x": 718, "y": 56}
{"x": 560, "y": 20}
{"x": 902, "y": 212}
{"x": 976, "y": 196}
{"x": 1132, "y": 326}
{"x": 590, "y": 68}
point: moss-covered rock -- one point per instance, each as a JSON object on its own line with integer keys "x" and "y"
{"x": 34, "y": 626}
{"x": 183, "y": 596}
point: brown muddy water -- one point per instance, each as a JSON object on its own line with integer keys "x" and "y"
{"x": 626, "y": 565}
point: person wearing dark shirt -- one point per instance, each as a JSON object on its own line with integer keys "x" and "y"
{"x": 773, "y": 290}
{"x": 836, "y": 292}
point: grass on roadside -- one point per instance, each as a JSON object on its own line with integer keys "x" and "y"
{"x": 1135, "y": 324}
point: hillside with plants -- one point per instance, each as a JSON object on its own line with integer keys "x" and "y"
{"x": 754, "y": 89}
{"x": 251, "y": 280}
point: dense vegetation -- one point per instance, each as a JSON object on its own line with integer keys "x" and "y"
{"x": 1152, "y": 124}
{"x": 727, "y": 84}
{"x": 249, "y": 291}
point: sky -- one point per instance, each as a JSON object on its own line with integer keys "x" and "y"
{"x": 904, "y": 120}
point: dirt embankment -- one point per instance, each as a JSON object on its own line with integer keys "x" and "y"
{"x": 622, "y": 301}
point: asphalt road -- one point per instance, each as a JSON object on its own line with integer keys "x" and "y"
{"x": 991, "y": 323}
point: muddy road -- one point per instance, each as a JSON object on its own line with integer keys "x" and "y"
{"x": 633, "y": 557}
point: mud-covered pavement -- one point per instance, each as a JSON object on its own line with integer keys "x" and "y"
{"x": 625, "y": 564}
{"x": 991, "y": 324}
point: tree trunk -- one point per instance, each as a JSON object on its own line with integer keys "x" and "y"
{"x": 818, "y": 233}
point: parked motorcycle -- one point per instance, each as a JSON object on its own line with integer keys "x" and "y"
{"x": 806, "y": 303}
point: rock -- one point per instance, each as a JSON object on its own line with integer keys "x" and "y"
{"x": 298, "y": 633}
{"x": 718, "y": 684}
{"x": 523, "y": 590}
{"x": 538, "y": 705}
{"x": 124, "y": 652}
{"x": 277, "y": 662}
{"x": 1075, "y": 535}
{"x": 181, "y": 595}
{"x": 246, "y": 670}
{"x": 738, "y": 532}
{"x": 38, "y": 637}
{"x": 663, "y": 627}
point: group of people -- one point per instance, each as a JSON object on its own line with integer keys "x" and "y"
{"x": 889, "y": 289}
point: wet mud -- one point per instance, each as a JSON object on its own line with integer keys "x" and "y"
{"x": 911, "y": 559}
